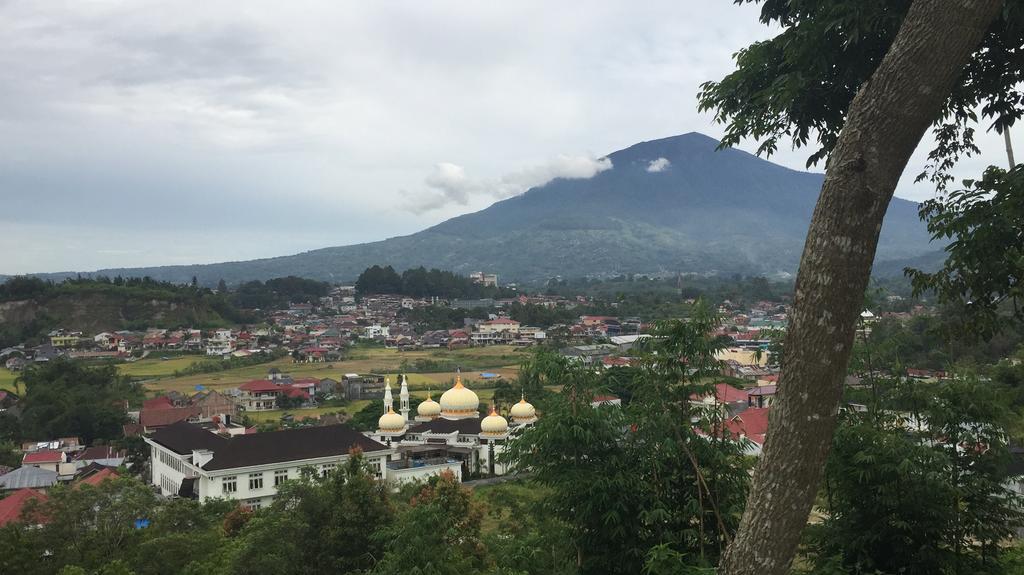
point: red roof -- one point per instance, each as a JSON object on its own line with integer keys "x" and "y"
{"x": 99, "y": 477}
{"x": 724, "y": 393}
{"x": 610, "y": 361}
{"x": 752, "y": 423}
{"x": 11, "y": 506}
{"x": 295, "y": 392}
{"x": 151, "y": 418}
{"x": 306, "y": 380}
{"x": 43, "y": 456}
{"x": 162, "y": 402}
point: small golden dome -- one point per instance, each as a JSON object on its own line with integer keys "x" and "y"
{"x": 493, "y": 424}
{"x": 523, "y": 412}
{"x": 391, "y": 421}
{"x": 428, "y": 408}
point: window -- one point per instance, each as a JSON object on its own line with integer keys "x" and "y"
{"x": 253, "y": 504}
{"x": 327, "y": 469}
{"x": 229, "y": 484}
{"x": 255, "y": 481}
{"x": 280, "y": 476}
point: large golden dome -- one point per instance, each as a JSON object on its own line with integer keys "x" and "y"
{"x": 391, "y": 421}
{"x": 459, "y": 401}
{"x": 523, "y": 412}
{"x": 493, "y": 424}
{"x": 428, "y": 408}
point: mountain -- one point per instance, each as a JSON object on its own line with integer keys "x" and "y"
{"x": 706, "y": 211}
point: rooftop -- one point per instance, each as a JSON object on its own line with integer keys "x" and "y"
{"x": 263, "y": 448}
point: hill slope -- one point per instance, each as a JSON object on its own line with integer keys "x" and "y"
{"x": 726, "y": 211}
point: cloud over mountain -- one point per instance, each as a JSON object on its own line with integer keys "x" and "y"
{"x": 449, "y": 184}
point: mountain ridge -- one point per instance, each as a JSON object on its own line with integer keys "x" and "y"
{"x": 705, "y": 211}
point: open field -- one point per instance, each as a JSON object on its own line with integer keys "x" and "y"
{"x": 502, "y": 360}
{"x": 155, "y": 367}
{"x": 275, "y": 415}
{"x": 159, "y": 374}
{"x": 7, "y": 379}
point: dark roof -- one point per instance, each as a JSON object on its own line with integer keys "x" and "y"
{"x": 441, "y": 425}
{"x": 290, "y": 445}
{"x": 99, "y": 452}
{"x": 151, "y": 418}
{"x": 183, "y": 437}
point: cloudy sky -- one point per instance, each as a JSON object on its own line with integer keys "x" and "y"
{"x": 147, "y": 133}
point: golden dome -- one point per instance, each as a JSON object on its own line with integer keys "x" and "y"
{"x": 391, "y": 421}
{"x": 493, "y": 424}
{"x": 523, "y": 412}
{"x": 428, "y": 408}
{"x": 459, "y": 401}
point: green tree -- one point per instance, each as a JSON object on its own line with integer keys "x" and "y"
{"x": 850, "y": 74}
{"x": 65, "y": 398}
{"x": 438, "y": 534}
{"x": 319, "y": 525}
{"x": 985, "y": 261}
{"x": 88, "y": 526}
{"x": 917, "y": 485}
{"x": 628, "y": 480}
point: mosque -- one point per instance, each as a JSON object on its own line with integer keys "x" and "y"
{"x": 451, "y": 429}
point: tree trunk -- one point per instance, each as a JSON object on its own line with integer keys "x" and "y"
{"x": 884, "y": 125}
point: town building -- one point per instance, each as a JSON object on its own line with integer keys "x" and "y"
{"x": 189, "y": 461}
{"x": 450, "y": 434}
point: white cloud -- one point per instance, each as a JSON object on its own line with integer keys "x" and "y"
{"x": 448, "y": 184}
{"x": 659, "y": 165}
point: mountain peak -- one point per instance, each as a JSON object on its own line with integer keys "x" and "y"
{"x": 670, "y": 205}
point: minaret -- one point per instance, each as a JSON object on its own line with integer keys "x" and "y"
{"x": 403, "y": 399}
{"x": 389, "y": 402}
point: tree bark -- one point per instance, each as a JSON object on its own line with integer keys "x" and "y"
{"x": 884, "y": 125}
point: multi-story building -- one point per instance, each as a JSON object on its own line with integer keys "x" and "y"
{"x": 262, "y": 394}
{"x": 190, "y": 461}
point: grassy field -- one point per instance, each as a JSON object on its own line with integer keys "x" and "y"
{"x": 7, "y": 379}
{"x": 502, "y": 360}
{"x": 156, "y": 367}
{"x": 159, "y": 374}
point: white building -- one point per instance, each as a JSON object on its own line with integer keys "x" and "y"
{"x": 222, "y": 343}
{"x": 451, "y": 433}
{"x": 190, "y": 461}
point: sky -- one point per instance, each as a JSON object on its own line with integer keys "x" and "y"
{"x": 138, "y": 133}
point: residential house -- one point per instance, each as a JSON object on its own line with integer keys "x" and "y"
{"x": 222, "y": 343}
{"x": 599, "y": 400}
{"x": 588, "y": 354}
{"x": 212, "y": 403}
{"x": 103, "y": 455}
{"x": 751, "y": 425}
{"x": 262, "y": 394}
{"x": 64, "y": 339}
{"x": 154, "y": 419}
{"x": 45, "y": 459}
{"x": 12, "y": 506}
{"x": 30, "y": 477}
{"x": 355, "y": 387}
{"x": 761, "y": 396}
